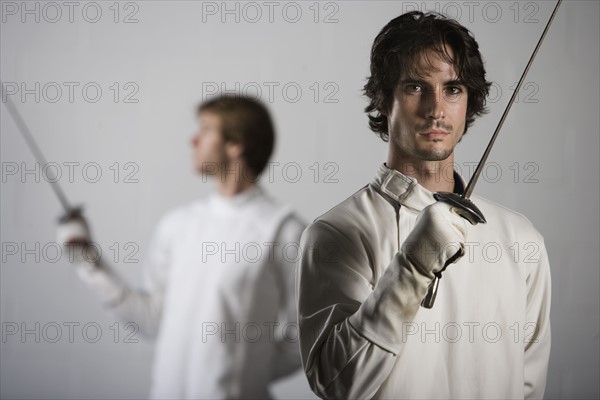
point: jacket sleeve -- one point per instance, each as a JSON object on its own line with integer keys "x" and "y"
{"x": 287, "y": 351}
{"x": 537, "y": 330}
{"x": 142, "y": 306}
{"x": 351, "y": 331}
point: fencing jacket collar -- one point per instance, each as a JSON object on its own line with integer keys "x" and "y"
{"x": 405, "y": 190}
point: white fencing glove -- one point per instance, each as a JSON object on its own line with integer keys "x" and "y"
{"x": 73, "y": 234}
{"x": 437, "y": 240}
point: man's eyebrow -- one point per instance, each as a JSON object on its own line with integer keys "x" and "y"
{"x": 453, "y": 82}
{"x": 412, "y": 80}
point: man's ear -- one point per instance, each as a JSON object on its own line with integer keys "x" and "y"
{"x": 234, "y": 150}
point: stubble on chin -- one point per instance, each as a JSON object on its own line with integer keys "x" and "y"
{"x": 433, "y": 155}
{"x": 418, "y": 153}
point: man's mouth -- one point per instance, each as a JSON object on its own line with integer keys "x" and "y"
{"x": 435, "y": 134}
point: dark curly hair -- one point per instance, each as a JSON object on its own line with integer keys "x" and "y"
{"x": 397, "y": 49}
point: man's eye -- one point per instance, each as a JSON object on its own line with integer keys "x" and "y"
{"x": 454, "y": 90}
{"x": 414, "y": 88}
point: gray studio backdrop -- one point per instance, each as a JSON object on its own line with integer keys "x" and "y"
{"x": 109, "y": 90}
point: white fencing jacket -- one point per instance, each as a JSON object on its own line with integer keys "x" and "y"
{"x": 363, "y": 333}
{"x": 219, "y": 294}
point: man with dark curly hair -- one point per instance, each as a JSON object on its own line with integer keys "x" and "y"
{"x": 366, "y": 264}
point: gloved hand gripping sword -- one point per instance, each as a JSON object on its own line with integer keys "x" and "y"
{"x": 461, "y": 204}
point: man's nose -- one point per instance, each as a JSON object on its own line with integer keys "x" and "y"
{"x": 434, "y": 104}
{"x": 195, "y": 139}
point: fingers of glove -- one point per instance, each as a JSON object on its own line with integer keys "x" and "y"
{"x": 73, "y": 232}
{"x": 452, "y": 230}
{"x": 83, "y": 254}
{"x": 440, "y": 215}
{"x": 438, "y": 236}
